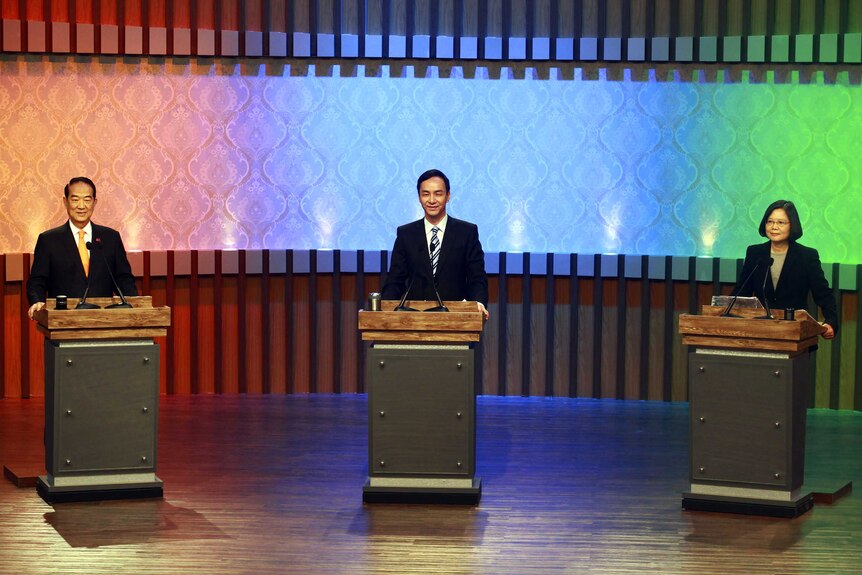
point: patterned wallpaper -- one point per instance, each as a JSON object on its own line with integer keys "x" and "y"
{"x": 203, "y": 155}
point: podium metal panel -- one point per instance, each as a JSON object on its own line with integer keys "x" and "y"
{"x": 101, "y": 417}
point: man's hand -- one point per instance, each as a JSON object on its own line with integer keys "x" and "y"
{"x": 828, "y": 331}
{"x": 34, "y": 308}
{"x": 484, "y": 311}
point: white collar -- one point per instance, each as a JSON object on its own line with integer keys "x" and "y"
{"x": 441, "y": 226}
{"x": 88, "y": 231}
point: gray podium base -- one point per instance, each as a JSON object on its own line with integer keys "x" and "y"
{"x": 748, "y": 506}
{"x": 51, "y": 493}
{"x": 395, "y": 494}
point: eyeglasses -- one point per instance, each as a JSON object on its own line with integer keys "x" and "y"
{"x": 779, "y": 223}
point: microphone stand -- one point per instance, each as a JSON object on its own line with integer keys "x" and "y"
{"x": 401, "y": 306}
{"x": 726, "y": 312}
{"x": 440, "y": 306}
{"x": 124, "y": 303}
{"x": 763, "y": 291}
{"x": 84, "y": 304}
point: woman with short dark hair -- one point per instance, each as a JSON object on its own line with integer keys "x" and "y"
{"x": 795, "y": 270}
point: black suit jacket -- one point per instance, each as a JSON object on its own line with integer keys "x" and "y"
{"x": 802, "y": 273}
{"x": 460, "y": 268}
{"x": 57, "y": 267}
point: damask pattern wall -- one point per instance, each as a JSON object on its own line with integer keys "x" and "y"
{"x": 242, "y": 154}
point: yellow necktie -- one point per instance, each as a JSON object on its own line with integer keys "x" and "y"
{"x": 83, "y": 252}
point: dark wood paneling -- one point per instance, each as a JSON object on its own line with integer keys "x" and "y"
{"x": 241, "y": 326}
{"x": 232, "y": 28}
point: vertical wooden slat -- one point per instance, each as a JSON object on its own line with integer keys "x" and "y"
{"x": 835, "y": 352}
{"x": 218, "y": 322}
{"x": 502, "y": 326}
{"x": 550, "y": 324}
{"x": 24, "y": 319}
{"x": 194, "y": 324}
{"x": 288, "y": 355}
{"x": 252, "y": 28}
{"x": 468, "y": 30}
{"x": 398, "y": 34}
{"x": 301, "y": 29}
{"x": 2, "y": 330}
{"x": 352, "y": 37}
{"x": 361, "y": 292}
{"x": 667, "y": 347}
{"x": 266, "y": 325}
{"x": 598, "y": 315}
{"x": 526, "y": 325}
{"x": 857, "y": 395}
{"x": 645, "y": 329}
{"x": 158, "y": 16}
{"x": 336, "y": 322}
{"x": 517, "y": 28}
{"x": 491, "y": 31}
{"x": 312, "y": 322}
{"x": 322, "y": 38}
{"x": 574, "y": 322}
{"x": 242, "y": 323}
{"x": 170, "y": 301}
{"x": 622, "y": 319}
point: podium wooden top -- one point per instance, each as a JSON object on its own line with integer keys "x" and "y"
{"x": 463, "y": 323}
{"x": 747, "y": 333}
{"x": 141, "y": 321}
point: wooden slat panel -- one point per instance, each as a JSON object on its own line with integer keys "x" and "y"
{"x": 3, "y": 375}
{"x": 398, "y": 14}
{"x": 447, "y": 14}
{"x": 536, "y": 341}
{"x": 132, "y": 13}
{"x": 502, "y": 326}
{"x": 374, "y": 16}
{"x": 664, "y": 17}
{"x": 640, "y": 23}
{"x": 84, "y": 11}
{"x": 616, "y": 18}
{"x": 591, "y": 24}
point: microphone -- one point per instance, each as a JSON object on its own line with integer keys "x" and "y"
{"x": 726, "y": 312}
{"x": 763, "y": 291}
{"x": 124, "y": 303}
{"x": 440, "y": 306}
{"x": 84, "y": 304}
{"x": 401, "y": 306}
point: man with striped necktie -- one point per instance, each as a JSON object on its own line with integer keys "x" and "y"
{"x": 437, "y": 250}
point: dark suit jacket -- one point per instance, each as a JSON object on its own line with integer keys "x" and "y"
{"x": 460, "y": 269}
{"x": 801, "y": 274}
{"x": 57, "y": 267}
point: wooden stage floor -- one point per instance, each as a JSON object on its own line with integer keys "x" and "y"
{"x": 273, "y": 484}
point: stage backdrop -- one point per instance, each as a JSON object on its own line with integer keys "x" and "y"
{"x": 244, "y": 154}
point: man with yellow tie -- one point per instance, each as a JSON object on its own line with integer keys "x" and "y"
{"x": 78, "y": 254}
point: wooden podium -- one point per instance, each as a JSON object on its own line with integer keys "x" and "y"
{"x": 748, "y": 392}
{"x": 421, "y": 403}
{"x": 101, "y": 400}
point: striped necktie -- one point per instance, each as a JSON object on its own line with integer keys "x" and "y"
{"x": 84, "y": 252}
{"x": 435, "y": 249}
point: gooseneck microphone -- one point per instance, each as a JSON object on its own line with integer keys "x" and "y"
{"x": 440, "y": 306}
{"x": 401, "y": 306}
{"x": 726, "y": 312}
{"x": 765, "y": 302}
{"x": 84, "y": 304}
{"x": 124, "y": 303}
